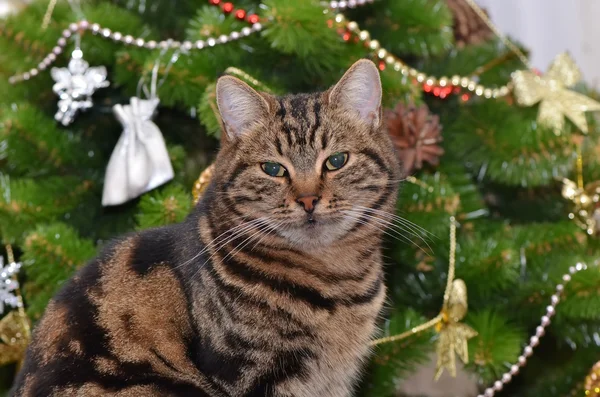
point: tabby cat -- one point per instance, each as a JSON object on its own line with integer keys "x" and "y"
{"x": 271, "y": 287}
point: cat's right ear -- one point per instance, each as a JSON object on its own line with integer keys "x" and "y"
{"x": 240, "y": 106}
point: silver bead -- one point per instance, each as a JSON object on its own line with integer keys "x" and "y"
{"x": 117, "y": 36}
{"x": 550, "y": 311}
{"x": 342, "y": 4}
{"x": 579, "y": 267}
{"x": 199, "y": 44}
{"x": 351, "y": 3}
{"x": 140, "y": 42}
{"x": 545, "y": 321}
{"x": 360, "y": 2}
{"x": 514, "y": 369}
{"x": 67, "y": 33}
{"x": 84, "y": 24}
{"x": 223, "y": 39}
{"x": 175, "y": 44}
{"x": 187, "y": 45}
{"x": 246, "y": 31}
{"x": 554, "y": 299}
{"x": 333, "y": 4}
{"x": 95, "y": 28}
{"x": 62, "y": 42}
{"x": 151, "y": 44}
{"x": 164, "y": 44}
{"x": 106, "y": 32}
{"x": 498, "y": 385}
{"x": 560, "y": 288}
{"x": 566, "y": 278}
{"x": 522, "y": 361}
{"x": 539, "y": 331}
{"x": 128, "y": 39}
{"x": 506, "y": 378}
{"x": 57, "y": 50}
{"x": 257, "y": 26}
{"x": 528, "y": 351}
{"x": 572, "y": 270}
{"x": 534, "y": 341}
{"x": 12, "y": 80}
{"x": 73, "y": 27}
{"x": 234, "y": 35}
{"x": 41, "y": 66}
{"x": 211, "y": 42}
{"x": 489, "y": 392}
{"x": 52, "y": 57}
{"x": 26, "y": 76}
{"x": 33, "y": 72}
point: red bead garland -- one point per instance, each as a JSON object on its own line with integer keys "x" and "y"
{"x": 241, "y": 14}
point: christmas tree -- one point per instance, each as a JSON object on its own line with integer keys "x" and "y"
{"x": 501, "y": 162}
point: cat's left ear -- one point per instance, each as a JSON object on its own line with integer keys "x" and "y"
{"x": 359, "y": 90}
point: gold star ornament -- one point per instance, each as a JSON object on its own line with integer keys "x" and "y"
{"x": 453, "y": 335}
{"x": 551, "y": 91}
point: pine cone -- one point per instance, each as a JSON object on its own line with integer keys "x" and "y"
{"x": 468, "y": 27}
{"x": 416, "y": 134}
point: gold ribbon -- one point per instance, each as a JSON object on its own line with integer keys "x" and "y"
{"x": 551, "y": 90}
{"x": 453, "y": 335}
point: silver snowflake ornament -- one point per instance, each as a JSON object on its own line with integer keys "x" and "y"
{"x": 75, "y": 86}
{"x": 8, "y": 285}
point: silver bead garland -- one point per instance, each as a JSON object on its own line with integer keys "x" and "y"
{"x": 128, "y": 40}
{"x": 535, "y": 339}
{"x": 341, "y": 5}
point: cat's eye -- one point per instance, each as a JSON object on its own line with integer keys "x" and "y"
{"x": 336, "y": 161}
{"x": 273, "y": 169}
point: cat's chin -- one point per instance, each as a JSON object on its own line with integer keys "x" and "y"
{"x": 312, "y": 233}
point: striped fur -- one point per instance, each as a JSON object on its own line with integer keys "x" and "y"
{"x": 245, "y": 297}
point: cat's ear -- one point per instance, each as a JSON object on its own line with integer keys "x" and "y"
{"x": 240, "y": 106}
{"x": 359, "y": 90}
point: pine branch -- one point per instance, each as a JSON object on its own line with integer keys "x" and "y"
{"x": 164, "y": 206}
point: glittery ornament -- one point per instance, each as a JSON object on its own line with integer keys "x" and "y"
{"x": 8, "y": 285}
{"x": 416, "y": 134}
{"x": 202, "y": 183}
{"x": 592, "y": 382}
{"x": 551, "y": 90}
{"x": 75, "y": 86}
{"x": 586, "y": 205}
{"x": 453, "y": 335}
{"x": 15, "y": 336}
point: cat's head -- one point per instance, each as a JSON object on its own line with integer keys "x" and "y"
{"x": 316, "y": 167}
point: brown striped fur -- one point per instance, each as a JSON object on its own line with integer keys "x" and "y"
{"x": 250, "y": 296}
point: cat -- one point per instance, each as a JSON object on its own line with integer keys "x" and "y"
{"x": 272, "y": 285}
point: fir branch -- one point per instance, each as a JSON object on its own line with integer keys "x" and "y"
{"x": 168, "y": 205}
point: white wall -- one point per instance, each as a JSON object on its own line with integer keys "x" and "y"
{"x": 549, "y": 27}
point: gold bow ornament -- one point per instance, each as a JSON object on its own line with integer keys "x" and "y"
{"x": 453, "y": 335}
{"x": 586, "y": 204}
{"x": 551, "y": 90}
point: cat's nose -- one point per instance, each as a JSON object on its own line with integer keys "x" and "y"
{"x": 308, "y": 202}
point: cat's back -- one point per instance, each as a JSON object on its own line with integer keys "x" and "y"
{"x": 121, "y": 323}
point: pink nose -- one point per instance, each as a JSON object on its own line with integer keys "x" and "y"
{"x": 308, "y": 202}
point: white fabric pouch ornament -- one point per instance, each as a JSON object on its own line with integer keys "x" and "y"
{"x": 140, "y": 161}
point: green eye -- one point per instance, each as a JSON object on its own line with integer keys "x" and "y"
{"x": 273, "y": 169}
{"x": 336, "y": 161}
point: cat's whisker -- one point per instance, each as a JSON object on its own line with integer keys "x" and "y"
{"x": 236, "y": 229}
{"x": 247, "y": 241}
{"x": 398, "y": 219}
{"x": 391, "y": 226}
{"x": 270, "y": 230}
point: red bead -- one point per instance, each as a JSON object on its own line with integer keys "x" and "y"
{"x": 240, "y": 14}
{"x": 227, "y": 7}
{"x": 426, "y": 88}
{"x": 437, "y": 91}
{"x": 214, "y": 2}
{"x": 329, "y": 23}
{"x": 346, "y": 36}
{"x": 381, "y": 66}
{"x": 253, "y": 18}
{"x": 465, "y": 97}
